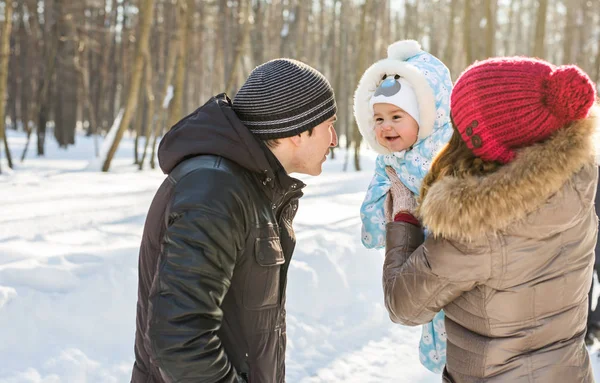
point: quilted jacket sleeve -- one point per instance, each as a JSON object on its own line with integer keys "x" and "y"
{"x": 421, "y": 278}
{"x": 203, "y": 238}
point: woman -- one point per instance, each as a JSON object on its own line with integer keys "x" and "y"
{"x": 509, "y": 208}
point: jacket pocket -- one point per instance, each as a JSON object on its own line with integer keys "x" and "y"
{"x": 262, "y": 282}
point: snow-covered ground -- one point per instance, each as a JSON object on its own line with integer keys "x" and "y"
{"x": 69, "y": 240}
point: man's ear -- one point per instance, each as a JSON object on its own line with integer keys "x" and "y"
{"x": 296, "y": 140}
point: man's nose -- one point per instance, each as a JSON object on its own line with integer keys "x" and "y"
{"x": 334, "y": 139}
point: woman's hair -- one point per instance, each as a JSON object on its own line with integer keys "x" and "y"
{"x": 456, "y": 160}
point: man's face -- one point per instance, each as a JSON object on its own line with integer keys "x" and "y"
{"x": 313, "y": 149}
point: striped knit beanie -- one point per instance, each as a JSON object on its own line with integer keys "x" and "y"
{"x": 283, "y": 98}
{"x": 501, "y": 104}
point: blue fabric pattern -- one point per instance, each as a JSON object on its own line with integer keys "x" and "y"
{"x": 432, "y": 346}
{"x": 411, "y": 167}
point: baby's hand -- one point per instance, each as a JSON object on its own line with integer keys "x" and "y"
{"x": 399, "y": 199}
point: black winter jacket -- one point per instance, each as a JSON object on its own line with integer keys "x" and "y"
{"x": 214, "y": 256}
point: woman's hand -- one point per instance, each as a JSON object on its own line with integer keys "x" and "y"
{"x": 399, "y": 199}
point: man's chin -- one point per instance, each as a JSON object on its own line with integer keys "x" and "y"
{"x": 312, "y": 172}
{"x": 316, "y": 172}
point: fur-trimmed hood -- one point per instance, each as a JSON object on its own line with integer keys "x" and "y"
{"x": 472, "y": 207}
{"x": 430, "y": 79}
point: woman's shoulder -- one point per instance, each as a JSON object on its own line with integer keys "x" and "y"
{"x": 562, "y": 211}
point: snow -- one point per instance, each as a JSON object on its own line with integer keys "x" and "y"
{"x": 69, "y": 239}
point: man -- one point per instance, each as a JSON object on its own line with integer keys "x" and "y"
{"x": 218, "y": 239}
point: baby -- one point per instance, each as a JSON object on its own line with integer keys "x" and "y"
{"x": 402, "y": 110}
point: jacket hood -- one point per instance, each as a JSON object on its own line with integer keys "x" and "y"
{"x": 430, "y": 79}
{"x": 214, "y": 129}
{"x": 471, "y": 207}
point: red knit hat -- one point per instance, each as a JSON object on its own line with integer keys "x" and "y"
{"x": 502, "y": 104}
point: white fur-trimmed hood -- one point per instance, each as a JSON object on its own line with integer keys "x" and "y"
{"x": 424, "y": 72}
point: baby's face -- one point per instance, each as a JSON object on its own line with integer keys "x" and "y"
{"x": 394, "y": 128}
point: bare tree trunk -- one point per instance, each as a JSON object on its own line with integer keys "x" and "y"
{"x": 520, "y": 33}
{"x": 509, "y": 32}
{"x": 35, "y": 86}
{"x": 226, "y": 14}
{"x": 322, "y": 44}
{"x": 351, "y": 33}
{"x": 490, "y": 15}
{"x": 4, "y": 56}
{"x": 124, "y": 58}
{"x": 540, "y": 29}
{"x": 218, "y": 63}
{"x": 26, "y": 64}
{"x": 13, "y": 87}
{"x": 50, "y": 50}
{"x": 162, "y": 21}
{"x": 291, "y": 29}
{"x": 174, "y": 43}
{"x": 339, "y": 69}
{"x": 186, "y": 9}
{"x": 115, "y": 89}
{"x": 80, "y": 59}
{"x": 568, "y": 36}
{"x": 66, "y": 89}
{"x": 156, "y": 133}
{"x": 597, "y": 71}
{"x": 385, "y": 37}
{"x": 467, "y": 33}
{"x": 374, "y": 31}
{"x": 407, "y": 19}
{"x": 275, "y": 30}
{"x": 84, "y": 73}
{"x": 240, "y": 46}
{"x": 303, "y": 9}
{"x": 199, "y": 68}
{"x": 584, "y": 55}
{"x": 139, "y": 120}
{"x": 104, "y": 107}
{"x": 449, "y": 49}
{"x": 367, "y": 10}
{"x": 168, "y": 78}
{"x": 332, "y": 68}
{"x": 258, "y": 50}
{"x": 147, "y": 10}
{"x": 150, "y": 109}
{"x": 553, "y": 34}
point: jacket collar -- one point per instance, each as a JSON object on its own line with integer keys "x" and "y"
{"x": 276, "y": 179}
{"x": 471, "y": 207}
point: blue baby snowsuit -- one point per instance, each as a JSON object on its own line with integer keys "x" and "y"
{"x": 432, "y": 84}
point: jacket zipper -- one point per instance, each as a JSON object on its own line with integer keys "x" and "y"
{"x": 280, "y": 221}
{"x": 279, "y": 340}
